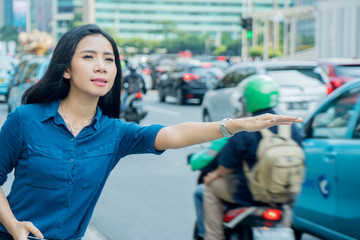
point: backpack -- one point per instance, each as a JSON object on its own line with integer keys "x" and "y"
{"x": 278, "y": 174}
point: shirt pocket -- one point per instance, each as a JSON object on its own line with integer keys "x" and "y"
{"x": 96, "y": 164}
{"x": 45, "y": 167}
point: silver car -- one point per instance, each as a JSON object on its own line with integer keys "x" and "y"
{"x": 302, "y": 86}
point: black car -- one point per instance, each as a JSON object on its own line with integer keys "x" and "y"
{"x": 188, "y": 80}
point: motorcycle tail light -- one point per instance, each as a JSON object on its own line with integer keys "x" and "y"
{"x": 230, "y": 215}
{"x": 139, "y": 95}
{"x": 272, "y": 214}
{"x": 146, "y": 71}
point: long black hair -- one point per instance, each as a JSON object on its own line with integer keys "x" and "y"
{"x": 53, "y": 86}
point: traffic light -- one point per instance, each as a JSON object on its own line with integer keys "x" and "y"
{"x": 246, "y": 23}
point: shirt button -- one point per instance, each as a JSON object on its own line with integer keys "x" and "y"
{"x": 73, "y": 139}
{"x": 71, "y": 160}
{"x": 70, "y": 182}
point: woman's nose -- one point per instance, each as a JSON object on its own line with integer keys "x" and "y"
{"x": 100, "y": 66}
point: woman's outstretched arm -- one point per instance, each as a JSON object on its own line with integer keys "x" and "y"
{"x": 190, "y": 133}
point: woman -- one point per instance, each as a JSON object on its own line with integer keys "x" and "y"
{"x": 66, "y": 138}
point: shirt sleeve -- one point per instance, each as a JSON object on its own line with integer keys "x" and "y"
{"x": 233, "y": 152}
{"x": 11, "y": 144}
{"x": 138, "y": 139}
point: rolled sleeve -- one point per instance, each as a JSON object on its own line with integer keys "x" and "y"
{"x": 11, "y": 142}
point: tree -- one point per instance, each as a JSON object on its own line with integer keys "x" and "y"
{"x": 8, "y": 33}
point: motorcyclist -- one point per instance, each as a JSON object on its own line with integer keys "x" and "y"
{"x": 133, "y": 82}
{"x": 261, "y": 95}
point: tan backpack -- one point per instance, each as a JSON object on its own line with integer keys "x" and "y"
{"x": 278, "y": 174}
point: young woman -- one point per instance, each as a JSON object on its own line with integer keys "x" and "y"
{"x": 65, "y": 139}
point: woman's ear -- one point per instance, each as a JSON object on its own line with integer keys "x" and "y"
{"x": 67, "y": 74}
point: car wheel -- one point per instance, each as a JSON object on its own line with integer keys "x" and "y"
{"x": 180, "y": 97}
{"x": 297, "y": 233}
{"x": 206, "y": 117}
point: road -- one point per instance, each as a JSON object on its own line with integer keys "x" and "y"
{"x": 149, "y": 196}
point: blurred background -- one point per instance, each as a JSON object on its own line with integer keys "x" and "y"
{"x": 193, "y": 56}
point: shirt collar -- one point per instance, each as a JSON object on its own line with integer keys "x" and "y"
{"x": 51, "y": 111}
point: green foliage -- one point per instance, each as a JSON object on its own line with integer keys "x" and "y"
{"x": 256, "y": 51}
{"x": 8, "y": 33}
{"x": 77, "y": 20}
{"x": 259, "y": 50}
{"x": 221, "y": 50}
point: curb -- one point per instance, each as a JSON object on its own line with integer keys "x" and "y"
{"x": 93, "y": 234}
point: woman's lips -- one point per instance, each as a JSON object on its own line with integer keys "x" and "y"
{"x": 99, "y": 81}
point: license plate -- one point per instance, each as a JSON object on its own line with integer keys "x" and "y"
{"x": 263, "y": 233}
{"x": 298, "y": 105}
{"x": 138, "y": 104}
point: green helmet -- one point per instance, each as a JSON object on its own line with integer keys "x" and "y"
{"x": 261, "y": 92}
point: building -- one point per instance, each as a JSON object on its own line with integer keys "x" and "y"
{"x": 151, "y": 19}
{"x": 338, "y": 29}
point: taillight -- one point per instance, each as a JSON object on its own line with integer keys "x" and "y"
{"x": 138, "y": 95}
{"x": 221, "y": 58}
{"x": 189, "y": 77}
{"x": 272, "y": 214}
{"x": 146, "y": 71}
{"x": 329, "y": 88}
{"x": 336, "y": 83}
{"x": 28, "y": 80}
{"x": 230, "y": 215}
{"x": 206, "y": 65}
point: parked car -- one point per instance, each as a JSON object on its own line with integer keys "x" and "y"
{"x": 7, "y": 71}
{"x": 341, "y": 70}
{"x": 33, "y": 71}
{"x": 328, "y": 205}
{"x": 188, "y": 79}
{"x": 302, "y": 86}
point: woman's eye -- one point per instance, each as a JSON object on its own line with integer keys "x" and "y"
{"x": 88, "y": 56}
{"x": 109, "y": 59}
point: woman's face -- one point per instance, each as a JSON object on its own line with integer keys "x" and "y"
{"x": 92, "y": 70}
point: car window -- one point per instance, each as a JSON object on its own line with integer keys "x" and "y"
{"x": 333, "y": 121}
{"x": 233, "y": 78}
{"x": 306, "y": 71}
{"x": 292, "y": 77}
{"x": 348, "y": 70}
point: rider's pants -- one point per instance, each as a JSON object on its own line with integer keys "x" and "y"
{"x": 214, "y": 209}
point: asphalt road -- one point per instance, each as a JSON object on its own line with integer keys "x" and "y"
{"x": 148, "y": 196}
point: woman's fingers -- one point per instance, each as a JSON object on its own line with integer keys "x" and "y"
{"x": 34, "y": 230}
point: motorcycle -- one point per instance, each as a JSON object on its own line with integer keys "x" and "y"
{"x": 135, "y": 110}
{"x": 260, "y": 222}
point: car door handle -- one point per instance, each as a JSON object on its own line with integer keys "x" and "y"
{"x": 329, "y": 156}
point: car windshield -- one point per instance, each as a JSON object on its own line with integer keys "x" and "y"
{"x": 348, "y": 70}
{"x": 5, "y": 64}
{"x": 293, "y": 77}
{"x": 216, "y": 72}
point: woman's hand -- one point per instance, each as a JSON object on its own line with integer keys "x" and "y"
{"x": 253, "y": 124}
{"x": 22, "y": 229}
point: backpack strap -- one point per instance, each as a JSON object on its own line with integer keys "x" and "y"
{"x": 266, "y": 133}
{"x": 284, "y": 131}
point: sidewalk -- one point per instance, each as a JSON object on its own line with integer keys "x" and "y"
{"x": 93, "y": 234}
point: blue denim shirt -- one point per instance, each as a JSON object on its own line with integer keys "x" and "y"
{"x": 59, "y": 177}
